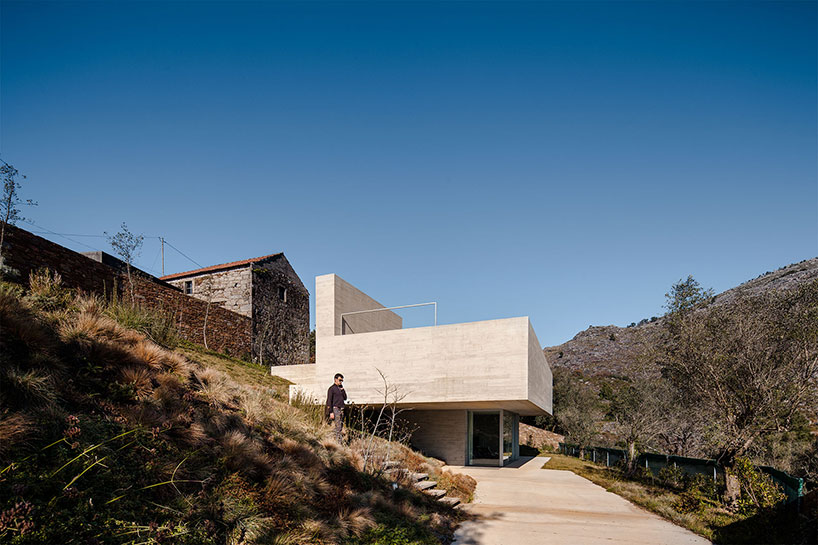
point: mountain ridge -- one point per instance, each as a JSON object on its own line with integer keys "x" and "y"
{"x": 609, "y": 350}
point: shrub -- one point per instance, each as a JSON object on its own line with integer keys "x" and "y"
{"x": 159, "y": 326}
{"x": 672, "y": 476}
{"x": 758, "y": 490}
{"x": 46, "y": 291}
{"x": 702, "y": 485}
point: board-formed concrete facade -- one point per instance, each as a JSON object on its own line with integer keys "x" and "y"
{"x": 459, "y": 369}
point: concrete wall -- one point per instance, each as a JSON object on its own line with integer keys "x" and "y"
{"x": 478, "y": 365}
{"x": 334, "y": 296}
{"x": 540, "y": 378}
{"x": 495, "y": 364}
{"x": 440, "y": 434}
{"x": 230, "y": 289}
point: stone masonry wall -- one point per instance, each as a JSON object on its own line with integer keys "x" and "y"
{"x": 231, "y": 289}
{"x": 281, "y": 327}
{"x": 227, "y": 331}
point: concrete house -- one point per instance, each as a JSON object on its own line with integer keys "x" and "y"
{"x": 466, "y": 384}
{"x": 268, "y": 291}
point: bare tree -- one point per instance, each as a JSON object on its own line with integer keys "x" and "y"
{"x": 206, "y": 288}
{"x": 750, "y": 366}
{"x": 638, "y": 408}
{"x": 576, "y": 408}
{"x": 127, "y": 246}
{"x": 384, "y": 426}
{"x": 10, "y": 205}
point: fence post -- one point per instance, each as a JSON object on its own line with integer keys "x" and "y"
{"x": 714, "y": 473}
{"x": 607, "y": 458}
{"x": 593, "y": 456}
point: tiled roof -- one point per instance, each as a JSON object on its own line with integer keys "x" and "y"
{"x": 212, "y": 268}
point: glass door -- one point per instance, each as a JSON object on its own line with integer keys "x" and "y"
{"x": 484, "y": 438}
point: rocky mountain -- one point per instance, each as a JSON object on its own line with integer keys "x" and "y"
{"x": 611, "y": 350}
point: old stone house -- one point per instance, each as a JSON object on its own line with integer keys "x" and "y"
{"x": 268, "y": 291}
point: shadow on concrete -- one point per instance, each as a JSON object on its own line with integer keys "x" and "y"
{"x": 472, "y": 532}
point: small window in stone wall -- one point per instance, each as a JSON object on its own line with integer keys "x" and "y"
{"x": 282, "y": 293}
{"x": 188, "y": 287}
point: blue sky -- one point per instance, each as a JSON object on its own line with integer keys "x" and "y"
{"x": 565, "y": 161}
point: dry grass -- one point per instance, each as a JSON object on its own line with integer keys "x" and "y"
{"x": 241, "y": 371}
{"x": 271, "y": 469}
{"x": 458, "y": 485}
{"x": 653, "y": 498}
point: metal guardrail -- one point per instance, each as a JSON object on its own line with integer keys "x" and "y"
{"x": 793, "y": 486}
{"x": 343, "y": 314}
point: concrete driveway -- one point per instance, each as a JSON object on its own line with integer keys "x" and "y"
{"x": 527, "y": 505}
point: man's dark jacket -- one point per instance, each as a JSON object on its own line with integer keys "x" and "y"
{"x": 335, "y": 397}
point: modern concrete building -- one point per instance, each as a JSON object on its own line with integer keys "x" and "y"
{"x": 466, "y": 384}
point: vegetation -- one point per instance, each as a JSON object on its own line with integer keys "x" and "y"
{"x": 731, "y": 379}
{"x": 694, "y": 501}
{"x": 128, "y": 441}
{"x": 127, "y": 246}
{"x": 11, "y": 201}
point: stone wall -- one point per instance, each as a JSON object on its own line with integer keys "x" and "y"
{"x": 227, "y": 331}
{"x": 281, "y": 320}
{"x": 26, "y": 252}
{"x": 230, "y": 289}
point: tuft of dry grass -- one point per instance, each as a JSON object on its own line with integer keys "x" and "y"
{"x": 354, "y": 521}
{"x": 139, "y": 379}
{"x": 14, "y": 428}
{"x": 457, "y": 484}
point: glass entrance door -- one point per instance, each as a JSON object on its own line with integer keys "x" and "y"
{"x": 484, "y": 438}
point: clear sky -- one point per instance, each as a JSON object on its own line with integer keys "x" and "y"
{"x": 565, "y": 161}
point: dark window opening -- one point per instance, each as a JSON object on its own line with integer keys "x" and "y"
{"x": 188, "y": 287}
{"x": 282, "y": 294}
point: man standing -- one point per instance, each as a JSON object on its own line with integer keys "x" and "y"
{"x": 336, "y": 395}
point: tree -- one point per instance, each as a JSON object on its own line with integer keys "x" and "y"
{"x": 639, "y": 407}
{"x": 685, "y": 295}
{"x": 127, "y": 246}
{"x": 576, "y": 408}
{"x": 206, "y": 288}
{"x": 750, "y": 366}
{"x": 10, "y": 205}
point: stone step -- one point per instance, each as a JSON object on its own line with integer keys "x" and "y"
{"x": 450, "y": 501}
{"x": 425, "y": 485}
{"x": 435, "y": 492}
{"x": 418, "y": 476}
{"x": 392, "y": 464}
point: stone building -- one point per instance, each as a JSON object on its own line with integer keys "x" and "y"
{"x": 268, "y": 291}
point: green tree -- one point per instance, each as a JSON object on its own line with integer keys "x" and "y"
{"x": 685, "y": 295}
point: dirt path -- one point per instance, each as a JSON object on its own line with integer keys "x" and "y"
{"x": 527, "y": 505}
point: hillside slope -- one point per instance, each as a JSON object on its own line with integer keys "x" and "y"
{"x": 610, "y": 350}
{"x": 108, "y": 437}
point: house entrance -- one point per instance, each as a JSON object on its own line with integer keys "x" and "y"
{"x": 493, "y": 438}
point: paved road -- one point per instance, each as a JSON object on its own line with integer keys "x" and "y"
{"x": 526, "y": 505}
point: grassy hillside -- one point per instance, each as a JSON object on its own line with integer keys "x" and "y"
{"x": 110, "y": 432}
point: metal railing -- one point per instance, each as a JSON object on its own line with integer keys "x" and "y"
{"x": 344, "y": 314}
